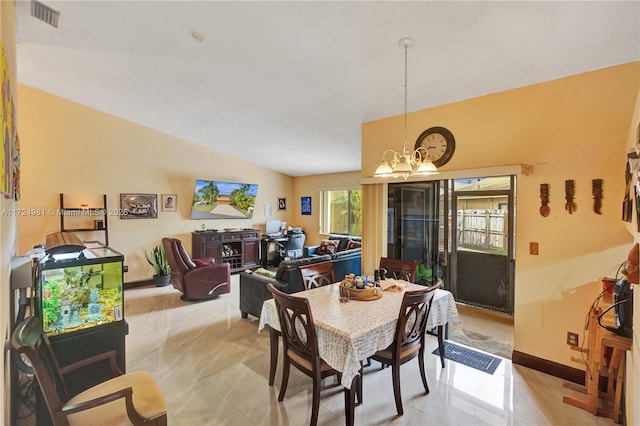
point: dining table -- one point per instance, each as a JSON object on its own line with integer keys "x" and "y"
{"x": 350, "y": 332}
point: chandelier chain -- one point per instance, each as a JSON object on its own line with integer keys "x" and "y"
{"x": 405, "y": 96}
{"x": 405, "y": 163}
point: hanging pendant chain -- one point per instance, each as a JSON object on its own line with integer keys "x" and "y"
{"x": 405, "y": 99}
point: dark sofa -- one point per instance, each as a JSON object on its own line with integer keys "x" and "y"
{"x": 253, "y": 287}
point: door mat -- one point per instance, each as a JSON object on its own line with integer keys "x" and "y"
{"x": 484, "y": 343}
{"x": 469, "y": 357}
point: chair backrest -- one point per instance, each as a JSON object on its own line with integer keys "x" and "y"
{"x": 399, "y": 269}
{"x": 294, "y": 245}
{"x": 179, "y": 261}
{"x": 29, "y": 339}
{"x": 296, "y": 325}
{"x": 317, "y": 274}
{"x": 412, "y": 320}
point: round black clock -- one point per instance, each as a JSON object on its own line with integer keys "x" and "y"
{"x": 439, "y": 143}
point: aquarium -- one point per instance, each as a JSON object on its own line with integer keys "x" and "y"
{"x": 80, "y": 290}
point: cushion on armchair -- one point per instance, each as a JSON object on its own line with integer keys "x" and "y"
{"x": 204, "y": 262}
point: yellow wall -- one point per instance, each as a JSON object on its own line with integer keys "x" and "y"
{"x": 311, "y": 186}
{"x": 83, "y": 153}
{"x": 571, "y": 128}
{"x": 8, "y": 229}
{"x": 633, "y": 358}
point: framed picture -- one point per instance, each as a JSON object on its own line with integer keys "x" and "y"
{"x": 169, "y": 202}
{"x": 306, "y": 205}
{"x": 138, "y": 206}
{"x": 282, "y": 203}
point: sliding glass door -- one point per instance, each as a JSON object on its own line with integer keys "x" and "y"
{"x": 461, "y": 232}
{"x": 482, "y": 256}
{"x": 414, "y": 227}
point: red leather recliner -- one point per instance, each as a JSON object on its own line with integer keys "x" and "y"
{"x": 196, "y": 279}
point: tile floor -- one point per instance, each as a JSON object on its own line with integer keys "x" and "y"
{"x": 212, "y": 366}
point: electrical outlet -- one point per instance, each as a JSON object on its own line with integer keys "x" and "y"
{"x": 125, "y": 268}
{"x": 572, "y": 338}
{"x": 533, "y": 248}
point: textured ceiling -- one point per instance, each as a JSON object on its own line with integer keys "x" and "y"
{"x": 288, "y": 84}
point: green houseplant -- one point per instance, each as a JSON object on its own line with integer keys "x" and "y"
{"x": 158, "y": 260}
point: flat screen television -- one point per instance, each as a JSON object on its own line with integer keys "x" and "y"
{"x": 223, "y": 200}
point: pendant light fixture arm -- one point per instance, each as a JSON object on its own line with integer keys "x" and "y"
{"x": 406, "y": 163}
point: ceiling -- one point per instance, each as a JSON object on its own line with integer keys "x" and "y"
{"x": 288, "y": 84}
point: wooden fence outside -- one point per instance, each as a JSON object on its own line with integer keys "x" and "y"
{"x": 482, "y": 229}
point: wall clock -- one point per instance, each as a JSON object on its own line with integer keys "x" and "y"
{"x": 439, "y": 143}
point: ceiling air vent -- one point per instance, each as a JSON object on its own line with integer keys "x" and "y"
{"x": 44, "y": 13}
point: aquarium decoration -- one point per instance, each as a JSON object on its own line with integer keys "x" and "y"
{"x": 79, "y": 297}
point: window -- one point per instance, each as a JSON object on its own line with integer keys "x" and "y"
{"x": 340, "y": 211}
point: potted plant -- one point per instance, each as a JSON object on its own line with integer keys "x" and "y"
{"x": 156, "y": 258}
{"x": 425, "y": 276}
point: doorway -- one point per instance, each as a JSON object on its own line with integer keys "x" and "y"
{"x": 461, "y": 232}
{"x": 482, "y": 255}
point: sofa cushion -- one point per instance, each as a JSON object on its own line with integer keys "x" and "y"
{"x": 353, "y": 244}
{"x": 286, "y": 266}
{"x": 265, "y": 272}
{"x": 328, "y": 246}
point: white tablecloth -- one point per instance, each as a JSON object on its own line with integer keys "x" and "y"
{"x": 352, "y": 331}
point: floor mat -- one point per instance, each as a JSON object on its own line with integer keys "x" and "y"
{"x": 469, "y": 357}
{"x": 482, "y": 342}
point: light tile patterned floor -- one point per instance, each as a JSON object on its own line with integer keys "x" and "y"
{"x": 212, "y": 366}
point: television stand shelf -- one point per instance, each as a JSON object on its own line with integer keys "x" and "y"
{"x": 240, "y": 249}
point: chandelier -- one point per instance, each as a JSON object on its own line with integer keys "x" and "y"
{"x": 404, "y": 164}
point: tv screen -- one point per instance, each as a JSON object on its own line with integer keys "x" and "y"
{"x": 223, "y": 200}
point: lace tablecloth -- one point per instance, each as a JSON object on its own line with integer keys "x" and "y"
{"x": 352, "y": 331}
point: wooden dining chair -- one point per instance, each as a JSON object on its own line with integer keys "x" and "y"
{"x": 300, "y": 348}
{"x": 399, "y": 269}
{"x": 409, "y": 339}
{"x": 132, "y": 398}
{"x": 317, "y": 274}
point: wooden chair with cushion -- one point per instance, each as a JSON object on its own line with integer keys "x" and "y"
{"x": 409, "y": 339}
{"x": 132, "y": 398}
{"x": 399, "y": 269}
{"x": 300, "y": 348}
{"x": 317, "y": 274}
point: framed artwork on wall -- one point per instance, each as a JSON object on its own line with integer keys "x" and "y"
{"x": 306, "y": 205}
{"x": 282, "y": 203}
{"x": 139, "y": 206}
{"x": 169, "y": 202}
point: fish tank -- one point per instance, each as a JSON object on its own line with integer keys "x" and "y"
{"x": 81, "y": 290}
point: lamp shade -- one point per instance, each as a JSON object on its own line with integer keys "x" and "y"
{"x": 383, "y": 169}
{"x": 426, "y": 168}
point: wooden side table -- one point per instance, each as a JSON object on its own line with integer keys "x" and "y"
{"x": 615, "y": 364}
{"x": 604, "y": 355}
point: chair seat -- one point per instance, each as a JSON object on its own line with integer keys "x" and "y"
{"x": 325, "y": 369}
{"x": 405, "y": 355}
{"x": 147, "y": 399}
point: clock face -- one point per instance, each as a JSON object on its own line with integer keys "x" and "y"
{"x": 439, "y": 143}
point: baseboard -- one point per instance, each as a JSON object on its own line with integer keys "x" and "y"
{"x": 136, "y": 284}
{"x": 549, "y": 367}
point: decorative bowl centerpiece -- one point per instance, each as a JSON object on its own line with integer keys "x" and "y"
{"x": 355, "y": 288}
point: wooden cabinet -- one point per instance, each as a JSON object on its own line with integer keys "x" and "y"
{"x": 241, "y": 249}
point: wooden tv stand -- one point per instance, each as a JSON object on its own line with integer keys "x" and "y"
{"x": 240, "y": 249}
